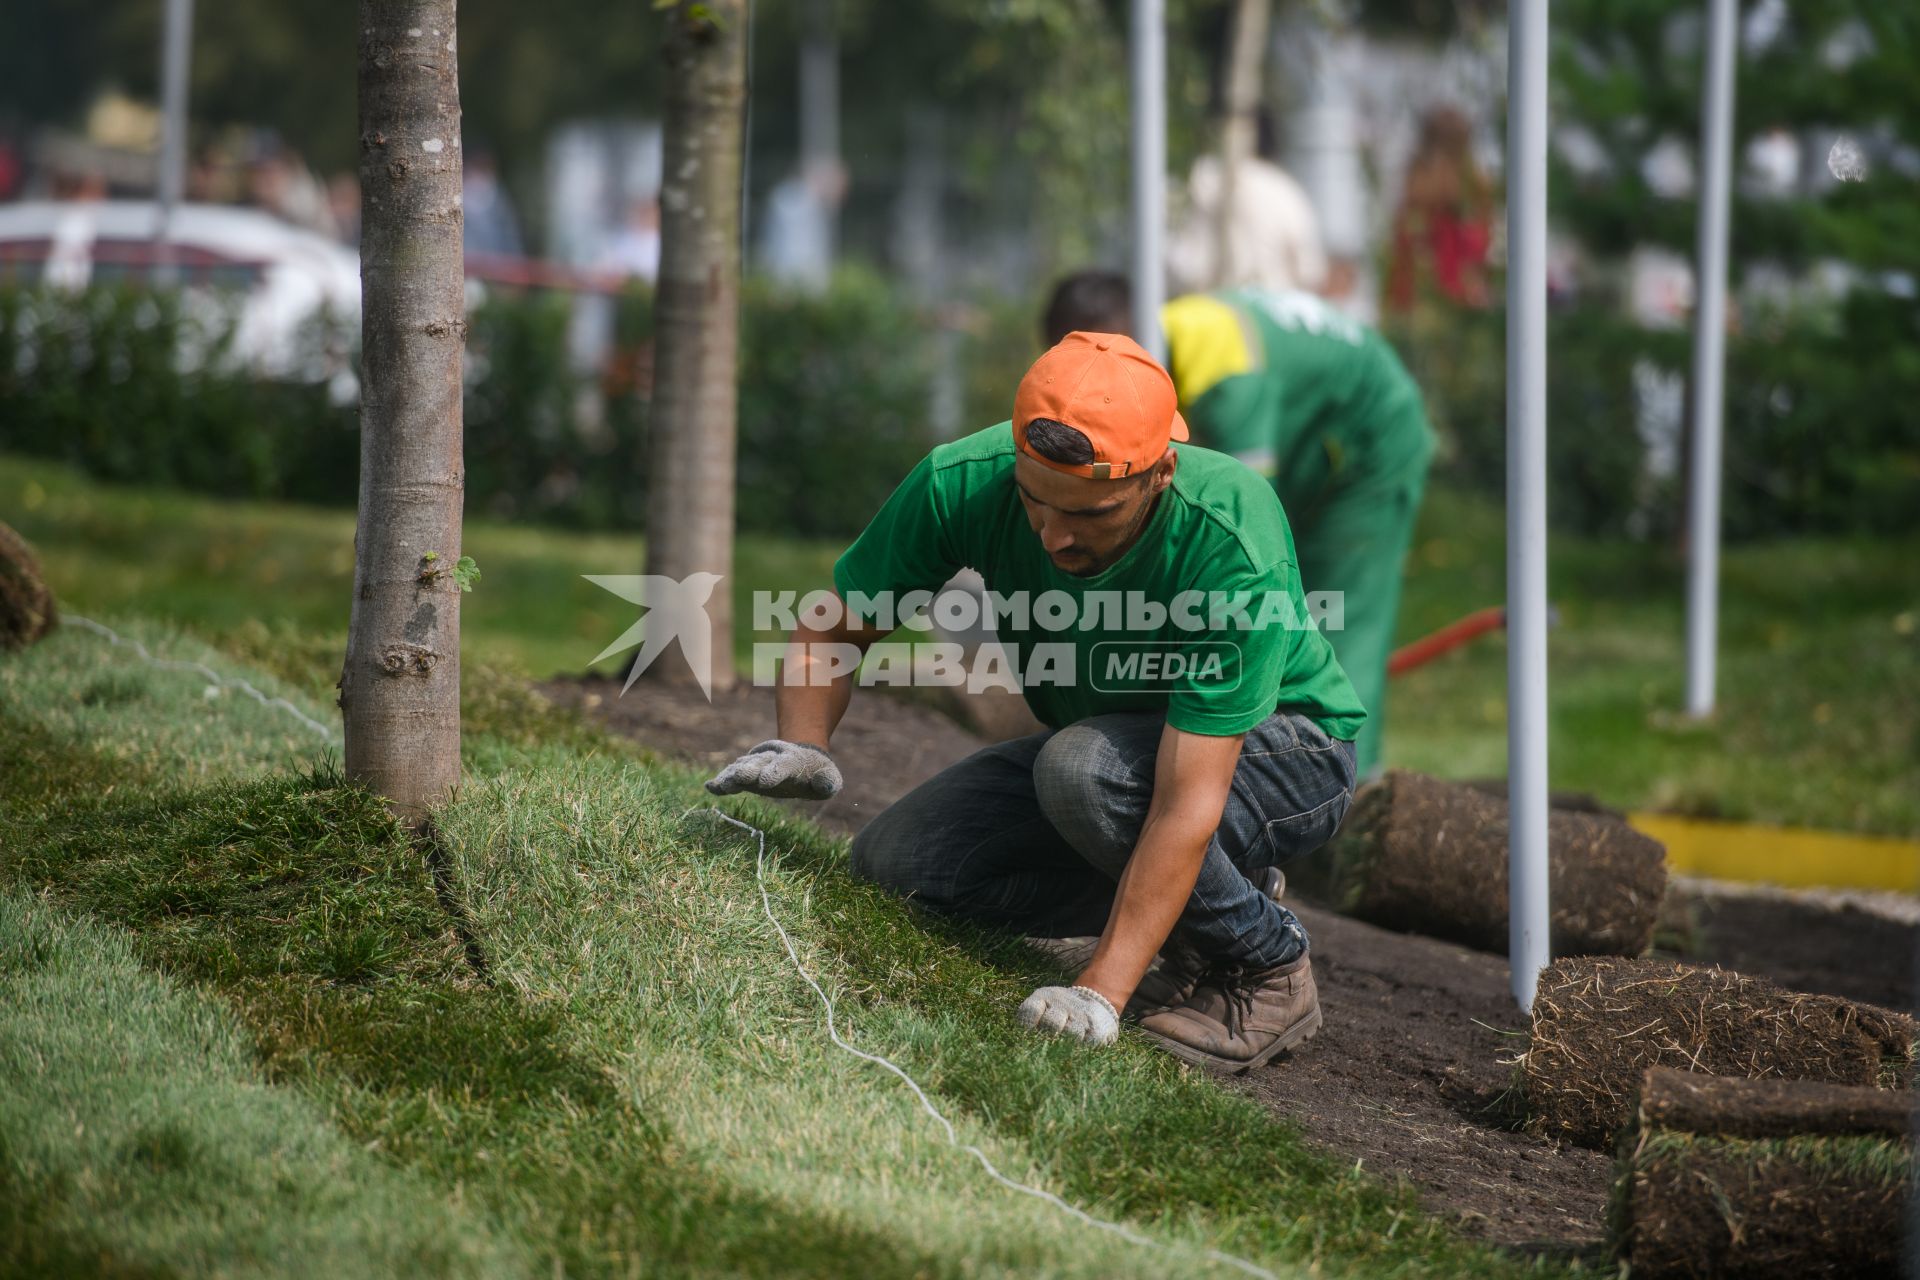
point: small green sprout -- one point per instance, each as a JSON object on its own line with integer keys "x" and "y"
{"x": 465, "y": 571}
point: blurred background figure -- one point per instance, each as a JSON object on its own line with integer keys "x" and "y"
{"x": 13, "y": 165}
{"x": 492, "y": 226}
{"x": 634, "y": 251}
{"x": 1269, "y": 238}
{"x": 796, "y": 235}
{"x": 343, "y": 200}
{"x": 1444, "y": 226}
{"x": 1320, "y": 405}
{"x": 70, "y": 247}
{"x": 279, "y": 182}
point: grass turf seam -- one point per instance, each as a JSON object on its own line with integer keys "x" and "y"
{"x": 301, "y": 1020}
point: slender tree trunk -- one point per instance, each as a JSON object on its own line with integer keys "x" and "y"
{"x": 1240, "y": 136}
{"x": 696, "y": 308}
{"x": 400, "y": 688}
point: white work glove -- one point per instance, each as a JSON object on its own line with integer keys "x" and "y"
{"x": 784, "y": 770}
{"x": 1077, "y": 1012}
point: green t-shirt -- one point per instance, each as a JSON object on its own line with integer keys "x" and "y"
{"x": 1203, "y": 618}
{"x": 1301, "y": 392}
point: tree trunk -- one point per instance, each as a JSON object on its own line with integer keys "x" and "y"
{"x": 696, "y": 308}
{"x": 1240, "y": 136}
{"x": 400, "y": 687}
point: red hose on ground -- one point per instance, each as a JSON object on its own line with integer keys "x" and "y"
{"x": 1446, "y": 639}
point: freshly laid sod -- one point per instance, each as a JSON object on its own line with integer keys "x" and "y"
{"x": 562, "y": 1041}
{"x": 1819, "y": 638}
{"x": 139, "y": 1136}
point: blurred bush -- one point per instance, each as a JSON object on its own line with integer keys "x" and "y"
{"x": 1597, "y": 474}
{"x": 837, "y": 395}
{"x": 1819, "y": 424}
{"x": 835, "y": 400}
{"x": 544, "y": 443}
{"x": 1823, "y": 421}
{"x": 135, "y": 385}
{"x": 128, "y": 384}
{"x": 999, "y": 340}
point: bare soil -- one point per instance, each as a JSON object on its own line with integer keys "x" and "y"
{"x": 885, "y": 747}
{"x": 1412, "y": 1075}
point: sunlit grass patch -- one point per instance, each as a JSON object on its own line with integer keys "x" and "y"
{"x": 138, "y": 1137}
{"x": 570, "y": 1021}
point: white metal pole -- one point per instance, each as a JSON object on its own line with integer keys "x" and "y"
{"x": 1147, "y": 57}
{"x": 1709, "y": 347}
{"x": 175, "y": 54}
{"x": 1527, "y": 495}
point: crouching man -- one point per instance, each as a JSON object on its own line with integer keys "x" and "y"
{"x": 1201, "y": 731}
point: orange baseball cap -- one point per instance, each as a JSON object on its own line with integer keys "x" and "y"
{"x": 1105, "y": 386}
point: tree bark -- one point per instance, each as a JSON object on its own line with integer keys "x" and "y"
{"x": 400, "y": 686}
{"x": 1240, "y": 134}
{"x": 690, "y": 504}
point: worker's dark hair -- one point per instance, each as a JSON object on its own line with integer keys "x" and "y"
{"x": 1058, "y": 442}
{"x": 1097, "y": 301}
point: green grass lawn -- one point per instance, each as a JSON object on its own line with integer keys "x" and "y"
{"x": 249, "y": 1028}
{"x": 1819, "y": 718}
{"x": 225, "y": 566}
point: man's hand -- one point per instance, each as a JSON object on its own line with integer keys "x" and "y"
{"x": 784, "y": 770}
{"x": 1080, "y": 1013}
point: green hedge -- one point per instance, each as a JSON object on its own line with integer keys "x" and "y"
{"x": 833, "y": 405}
{"x": 1819, "y": 417}
{"x": 836, "y": 393}
{"x": 93, "y": 378}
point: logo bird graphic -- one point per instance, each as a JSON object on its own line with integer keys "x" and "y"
{"x": 676, "y": 609}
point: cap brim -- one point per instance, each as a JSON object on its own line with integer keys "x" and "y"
{"x": 1179, "y": 426}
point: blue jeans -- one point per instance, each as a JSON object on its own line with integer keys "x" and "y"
{"x": 1033, "y": 834}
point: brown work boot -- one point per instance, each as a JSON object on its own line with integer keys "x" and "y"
{"x": 1170, "y": 980}
{"x": 1071, "y": 954}
{"x": 1180, "y": 966}
{"x": 1237, "y": 1018}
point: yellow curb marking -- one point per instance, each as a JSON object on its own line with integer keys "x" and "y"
{"x": 1792, "y": 857}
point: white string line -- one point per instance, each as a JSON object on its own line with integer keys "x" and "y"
{"x": 953, "y": 1136}
{"x": 225, "y": 682}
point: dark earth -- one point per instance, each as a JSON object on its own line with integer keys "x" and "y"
{"x": 1410, "y": 1075}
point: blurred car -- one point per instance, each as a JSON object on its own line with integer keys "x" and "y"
{"x": 272, "y": 280}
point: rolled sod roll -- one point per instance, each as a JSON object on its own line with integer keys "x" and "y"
{"x": 1573, "y": 801}
{"x": 1430, "y": 857}
{"x": 1771, "y": 1108}
{"x": 1756, "y": 1178}
{"x": 1600, "y": 1023}
{"x": 27, "y": 610}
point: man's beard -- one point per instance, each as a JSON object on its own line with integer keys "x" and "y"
{"x": 1092, "y": 566}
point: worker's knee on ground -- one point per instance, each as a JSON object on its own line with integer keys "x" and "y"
{"x": 1082, "y": 779}
{"x": 873, "y": 853}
